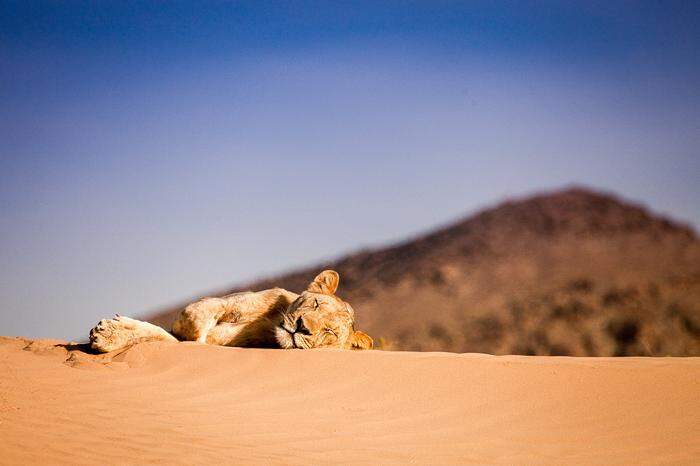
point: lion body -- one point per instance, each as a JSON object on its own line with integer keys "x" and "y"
{"x": 274, "y": 318}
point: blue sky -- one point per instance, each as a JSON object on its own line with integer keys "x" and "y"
{"x": 151, "y": 151}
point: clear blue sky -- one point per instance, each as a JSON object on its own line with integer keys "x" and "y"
{"x": 150, "y": 151}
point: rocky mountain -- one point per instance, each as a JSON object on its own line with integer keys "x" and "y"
{"x": 572, "y": 272}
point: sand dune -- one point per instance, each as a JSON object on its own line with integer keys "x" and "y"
{"x": 186, "y": 403}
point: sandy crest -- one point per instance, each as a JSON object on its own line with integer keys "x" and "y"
{"x": 185, "y": 403}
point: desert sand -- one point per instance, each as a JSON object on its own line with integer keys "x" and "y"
{"x": 181, "y": 403}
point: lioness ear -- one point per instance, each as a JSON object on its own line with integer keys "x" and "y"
{"x": 360, "y": 340}
{"x": 325, "y": 282}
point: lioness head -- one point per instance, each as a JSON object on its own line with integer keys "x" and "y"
{"x": 319, "y": 319}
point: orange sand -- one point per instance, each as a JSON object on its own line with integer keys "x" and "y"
{"x": 190, "y": 404}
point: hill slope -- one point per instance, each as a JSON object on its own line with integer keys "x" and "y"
{"x": 572, "y": 272}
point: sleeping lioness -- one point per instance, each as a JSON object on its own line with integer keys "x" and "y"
{"x": 274, "y": 318}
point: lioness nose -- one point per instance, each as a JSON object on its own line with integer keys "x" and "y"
{"x": 301, "y": 328}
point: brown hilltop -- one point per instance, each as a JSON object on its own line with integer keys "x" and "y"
{"x": 573, "y": 272}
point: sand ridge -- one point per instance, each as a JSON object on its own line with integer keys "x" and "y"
{"x": 186, "y": 403}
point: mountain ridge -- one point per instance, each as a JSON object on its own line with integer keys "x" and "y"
{"x": 559, "y": 272}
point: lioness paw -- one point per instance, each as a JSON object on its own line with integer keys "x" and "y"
{"x": 111, "y": 334}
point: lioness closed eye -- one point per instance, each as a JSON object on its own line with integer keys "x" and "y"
{"x": 274, "y": 318}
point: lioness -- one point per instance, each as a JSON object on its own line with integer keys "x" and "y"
{"x": 274, "y": 318}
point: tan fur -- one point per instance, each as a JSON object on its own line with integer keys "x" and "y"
{"x": 274, "y": 318}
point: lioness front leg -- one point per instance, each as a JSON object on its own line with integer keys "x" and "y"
{"x": 197, "y": 319}
{"x": 200, "y": 318}
{"x": 120, "y": 332}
